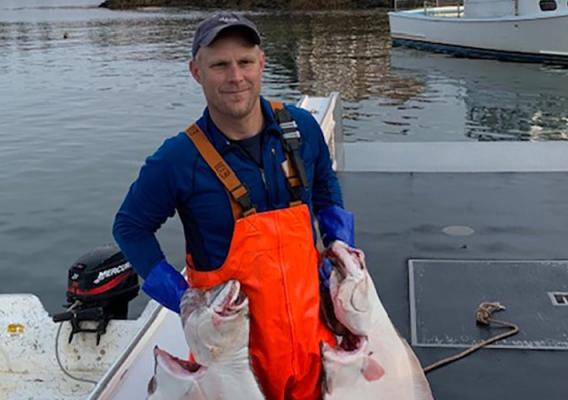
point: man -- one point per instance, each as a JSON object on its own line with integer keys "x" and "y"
{"x": 246, "y": 186}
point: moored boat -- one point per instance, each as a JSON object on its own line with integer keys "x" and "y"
{"x": 515, "y": 30}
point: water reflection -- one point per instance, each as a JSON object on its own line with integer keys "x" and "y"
{"x": 161, "y": 38}
{"x": 390, "y": 94}
{"x": 347, "y": 52}
{"x": 344, "y": 51}
{"x": 501, "y": 101}
{"x": 516, "y": 115}
{"x": 405, "y": 95}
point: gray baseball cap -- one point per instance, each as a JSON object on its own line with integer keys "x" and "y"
{"x": 211, "y": 27}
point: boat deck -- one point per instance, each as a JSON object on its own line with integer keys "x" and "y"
{"x": 401, "y": 216}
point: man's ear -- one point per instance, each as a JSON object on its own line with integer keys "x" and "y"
{"x": 194, "y": 69}
{"x": 262, "y": 60}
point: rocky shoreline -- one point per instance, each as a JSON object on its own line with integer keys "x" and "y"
{"x": 251, "y": 4}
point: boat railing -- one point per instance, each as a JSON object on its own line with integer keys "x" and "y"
{"x": 436, "y": 8}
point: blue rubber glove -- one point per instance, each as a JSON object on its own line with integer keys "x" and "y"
{"x": 335, "y": 223}
{"x": 165, "y": 285}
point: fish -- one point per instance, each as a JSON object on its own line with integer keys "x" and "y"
{"x": 216, "y": 327}
{"x": 349, "y": 289}
{"x": 372, "y": 360}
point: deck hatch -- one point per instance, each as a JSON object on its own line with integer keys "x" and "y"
{"x": 559, "y": 298}
{"x": 444, "y": 295}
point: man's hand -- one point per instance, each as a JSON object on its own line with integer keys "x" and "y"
{"x": 165, "y": 285}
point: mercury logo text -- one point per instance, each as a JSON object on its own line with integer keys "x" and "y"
{"x": 111, "y": 272}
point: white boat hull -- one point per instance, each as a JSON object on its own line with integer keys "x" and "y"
{"x": 536, "y": 39}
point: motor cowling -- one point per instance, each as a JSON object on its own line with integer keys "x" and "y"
{"x": 100, "y": 285}
{"x": 103, "y": 278}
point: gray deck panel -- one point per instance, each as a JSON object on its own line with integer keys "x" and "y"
{"x": 522, "y": 286}
{"x": 516, "y": 216}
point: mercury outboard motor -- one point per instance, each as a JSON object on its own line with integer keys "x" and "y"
{"x": 100, "y": 285}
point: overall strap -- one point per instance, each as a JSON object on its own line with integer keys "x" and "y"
{"x": 293, "y": 165}
{"x": 239, "y": 195}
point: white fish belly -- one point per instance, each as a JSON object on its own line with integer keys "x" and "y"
{"x": 403, "y": 379}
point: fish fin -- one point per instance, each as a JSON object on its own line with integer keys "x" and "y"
{"x": 326, "y": 350}
{"x": 196, "y": 393}
{"x": 174, "y": 365}
{"x": 328, "y": 385}
{"x": 371, "y": 369}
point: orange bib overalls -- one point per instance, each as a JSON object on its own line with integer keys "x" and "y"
{"x": 272, "y": 254}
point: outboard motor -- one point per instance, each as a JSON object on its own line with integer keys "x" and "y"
{"x": 100, "y": 285}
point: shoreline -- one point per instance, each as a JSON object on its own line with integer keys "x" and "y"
{"x": 251, "y": 4}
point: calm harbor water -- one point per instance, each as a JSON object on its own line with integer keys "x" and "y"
{"x": 79, "y": 115}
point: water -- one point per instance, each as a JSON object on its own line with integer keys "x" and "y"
{"x": 79, "y": 115}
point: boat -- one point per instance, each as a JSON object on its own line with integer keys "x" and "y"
{"x": 444, "y": 225}
{"x": 507, "y": 30}
{"x": 41, "y": 359}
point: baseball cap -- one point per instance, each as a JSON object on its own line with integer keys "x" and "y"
{"x": 211, "y": 27}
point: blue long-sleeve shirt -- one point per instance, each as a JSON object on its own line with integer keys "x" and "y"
{"x": 176, "y": 178}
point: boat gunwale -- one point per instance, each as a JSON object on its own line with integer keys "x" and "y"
{"x": 418, "y": 14}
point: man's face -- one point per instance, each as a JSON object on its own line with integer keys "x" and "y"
{"x": 230, "y": 70}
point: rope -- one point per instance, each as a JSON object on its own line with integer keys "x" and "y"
{"x": 63, "y": 369}
{"x": 482, "y": 317}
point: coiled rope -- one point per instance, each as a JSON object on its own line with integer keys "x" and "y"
{"x": 63, "y": 369}
{"x": 483, "y": 316}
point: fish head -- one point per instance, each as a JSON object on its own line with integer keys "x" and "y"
{"x": 350, "y": 289}
{"x": 192, "y": 300}
{"x": 175, "y": 379}
{"x": 347, "y": 260}
{"x": 349, "y": 364}
{"x": 216, "y": 323}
